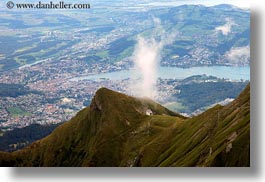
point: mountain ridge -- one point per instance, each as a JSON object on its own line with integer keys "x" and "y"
{"x": 116, "y": 130}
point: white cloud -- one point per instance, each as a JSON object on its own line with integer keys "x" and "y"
{"x": 226, "y": 28}
{"x": 146, "y": 59}
{"x": 238, "y": 55}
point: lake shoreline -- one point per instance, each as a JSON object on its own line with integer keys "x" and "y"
{"x": 227, "y": 72}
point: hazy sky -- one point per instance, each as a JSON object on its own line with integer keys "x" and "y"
{"x": 238, "y": 3}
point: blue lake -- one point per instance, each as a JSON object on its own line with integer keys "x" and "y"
{"x": 227, "y": 72}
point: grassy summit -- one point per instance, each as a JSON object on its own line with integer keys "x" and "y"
{"x": 119, "y": 130}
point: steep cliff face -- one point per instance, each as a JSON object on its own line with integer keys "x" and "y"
{"x": 117, "y": 131}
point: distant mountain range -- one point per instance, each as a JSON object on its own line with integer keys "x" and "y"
{"x": 205, "y": 35}
{"x": 119, "y": 130}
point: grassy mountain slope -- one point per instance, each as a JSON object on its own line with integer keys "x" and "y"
{"x": 115, "y": 131}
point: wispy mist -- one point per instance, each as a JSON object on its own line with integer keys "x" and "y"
{"x": 147, "y": 55}
{"x": 226, "y": 28}
{"x": 238, "y": 55}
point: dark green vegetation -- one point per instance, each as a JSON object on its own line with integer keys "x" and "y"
{"x": 15, "y": 90}
{"x": 206, "y": 93}
{"x": 115, "y": 131}
{"x": 120, "y": 45}
{"x": 21, "y": 137}
{"x": 16, "y": 111}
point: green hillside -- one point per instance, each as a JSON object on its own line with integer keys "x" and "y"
{"x": 115, "y": 130}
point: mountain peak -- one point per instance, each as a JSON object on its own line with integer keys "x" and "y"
{"x": 109, "y": 100}
{"x": 104, "y": 90}
{"x": 115, "y": 130}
